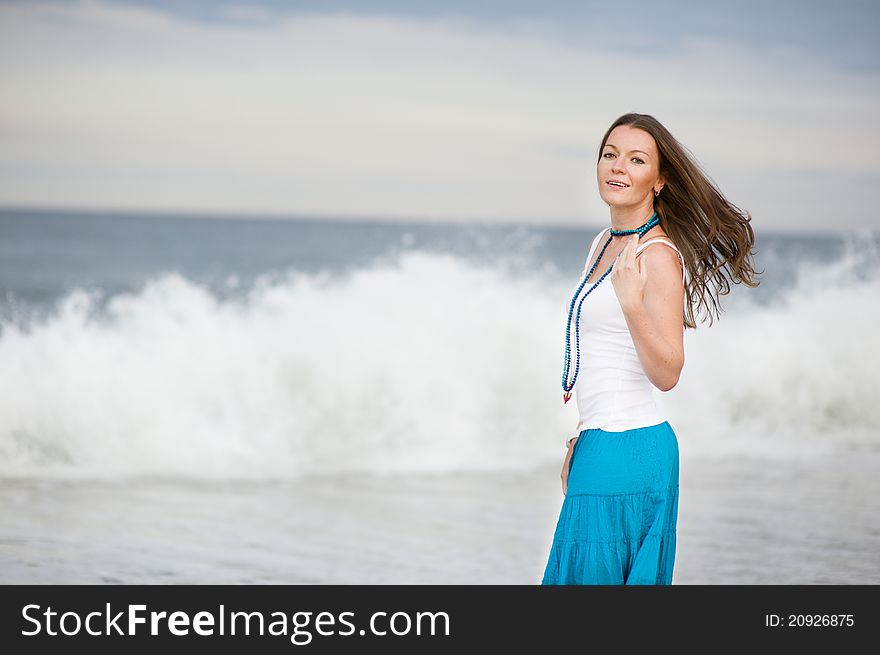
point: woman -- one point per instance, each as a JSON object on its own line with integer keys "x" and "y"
{"x": 620, "y": 476}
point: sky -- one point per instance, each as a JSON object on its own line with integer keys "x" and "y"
{"x": 437, "y": 111}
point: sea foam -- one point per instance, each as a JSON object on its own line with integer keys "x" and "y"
{"x": 421, "y": 363}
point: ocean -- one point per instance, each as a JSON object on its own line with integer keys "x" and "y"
{"x": 244, "y": 399}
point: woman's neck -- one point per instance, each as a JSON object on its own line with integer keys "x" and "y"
{"x": 629, "y": 218}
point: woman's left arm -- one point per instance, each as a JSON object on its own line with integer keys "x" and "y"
{"x": 653, "y": 305}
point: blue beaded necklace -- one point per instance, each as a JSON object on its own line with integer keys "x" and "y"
{"x": 566, "y": 385}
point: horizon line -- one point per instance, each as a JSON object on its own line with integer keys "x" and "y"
{"x": 256, "y": 215}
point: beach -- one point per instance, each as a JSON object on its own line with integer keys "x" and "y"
{"x": 741, "y": 521}
{"x": 317, "y": 402}
{"x": 294, "y": 293}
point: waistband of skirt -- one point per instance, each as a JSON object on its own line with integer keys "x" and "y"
{"x": 662, "y": 424}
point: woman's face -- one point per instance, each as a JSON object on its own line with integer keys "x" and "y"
{"x": 629, "y": 168}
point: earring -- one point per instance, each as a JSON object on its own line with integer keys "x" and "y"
{"x": 656, "y": 193}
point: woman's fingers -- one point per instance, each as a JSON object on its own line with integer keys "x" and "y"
{"x": 564, "y": 474}
{"x": 630, "y": 250}
{"x": 566, "y": 465}
{"x": 626, "y": 258}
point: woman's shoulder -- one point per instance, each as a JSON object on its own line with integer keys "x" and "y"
{"x": 664, "y": 255}
{"x": 659, "y": 237}
{"x": 595, "y": 242}
{"x": 603, "y": 232}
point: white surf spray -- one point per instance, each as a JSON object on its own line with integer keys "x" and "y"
{"x": 422, "y": 364}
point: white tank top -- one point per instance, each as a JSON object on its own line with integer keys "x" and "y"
{"x": 613, "y": 393}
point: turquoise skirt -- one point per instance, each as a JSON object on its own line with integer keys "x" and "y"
{"x": 618, "y": 519}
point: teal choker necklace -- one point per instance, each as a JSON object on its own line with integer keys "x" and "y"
{"x": 566, "y": 385}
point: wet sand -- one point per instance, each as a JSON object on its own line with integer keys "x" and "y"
{"x": 741, "y": 520}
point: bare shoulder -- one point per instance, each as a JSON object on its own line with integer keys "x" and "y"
{"x": 664, "y": 263}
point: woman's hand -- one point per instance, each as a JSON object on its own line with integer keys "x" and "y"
{"x": 564, "y": 474}
{"x": 629, "y": 274}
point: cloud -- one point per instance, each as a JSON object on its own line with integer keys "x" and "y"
{"x": 120, "y": 106}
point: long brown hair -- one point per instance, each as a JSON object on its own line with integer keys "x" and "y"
{"x": 715, "y": 237}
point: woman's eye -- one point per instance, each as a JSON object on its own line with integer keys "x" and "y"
{"x": 637, "y": 160}
{"x": 608, "y": 154}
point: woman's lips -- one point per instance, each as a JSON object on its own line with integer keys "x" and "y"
{"x": 617, "y": 187}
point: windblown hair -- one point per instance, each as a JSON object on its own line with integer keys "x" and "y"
{"x": 715, "y": 237}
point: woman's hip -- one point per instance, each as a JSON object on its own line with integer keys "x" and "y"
{"x": 632, "y": 461}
